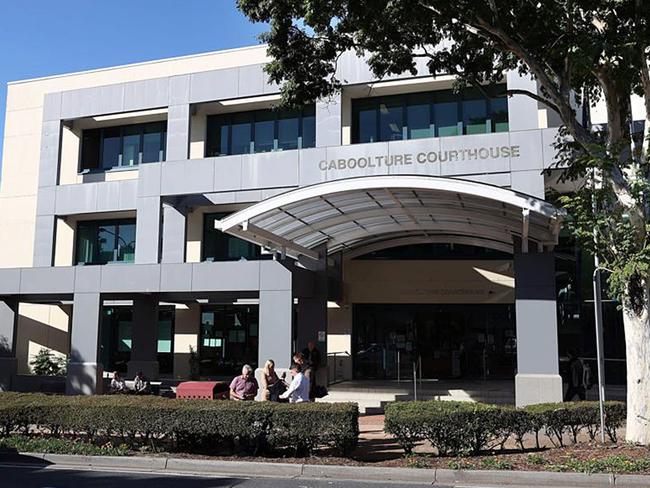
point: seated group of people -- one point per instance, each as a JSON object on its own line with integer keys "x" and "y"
{"x": 274, "y": 388}
{"x": 141, "y": 385}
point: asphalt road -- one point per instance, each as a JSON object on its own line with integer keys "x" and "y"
{"x": 39, "y": 477}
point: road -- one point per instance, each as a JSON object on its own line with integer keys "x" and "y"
{"x": 17, "y": 476}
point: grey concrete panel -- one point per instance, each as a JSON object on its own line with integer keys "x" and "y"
{"x": 309, "y": 170}
{"x": 522, "y": 110}
{"x": 79, "y": 198}
{"x": 528, "y": 182}
{"x": 178, "y": 132}
{"x": 373, "y": 158}
{"x": 249, "y": 196}
{"x": 179, "y": 90}
{"x": 225, "y": 276}
{"x": 251, "y": 80}
{"x": 48, "y": 170}
{"x": 45, "y": 280}
{"x": 532, "y": 148}
{"x": 548, "y": 151}
{"x": 415, "y": 157}
{"x": 147, "y": 230}
{"x": 482, "y": 162}
{"x": 188, "y": 176}
{"x": 328, "y": 122}
{"x": 228, "y": 173}
{"x": 496, "y": 179}
{"x": 8, "y": 328}
{"x": 214, "y": 85}
{"x": 52, "y": 107}
{"x": 352, "y": 68}
{"x": 77, "y": 103}
{"x": 268, "y": 170}
{"x": 173, "y": 235}
{"x": 9, "y": 281}
{"x": 128, "y": 191}
{"x": 146, "y": 94}
{"x": 46, "y": 201}
{"x": 108, "y": 196}
{"x": 274, "y": 276}
{"x": 44, "y": 240}
{"x": 149, "y": 179}
{"x": 125, "y": 278}
{"x": 176, "y": 277}
{"x": 273, "y": 192}
{"x": 221, "y": 198}
{"x": 98, "y": 100}
{"x": 84, "y": 378}
{"x": 270, "y": 87}
{"x": 84, "y": 336}
{"x": 275, "y": 314}
{"x": 87, "y": 279}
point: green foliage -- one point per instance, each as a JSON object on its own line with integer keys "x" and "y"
{"x": 49, "y": 445}
{"x": 191, "y": 424}
{"x": 611, "y": 464}
{"x": 458, "y": 428}
{"x": 46, "y": 363}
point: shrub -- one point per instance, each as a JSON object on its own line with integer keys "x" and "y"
{"x": 463, "y": 427}
{"x": 192, "y": 424}
{"x": 46, "y": 363}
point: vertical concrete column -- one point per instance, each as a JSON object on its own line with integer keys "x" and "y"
{"x": 522, "y": 110}
{"x": 147, "y": 230}
{"x": 8, "y": 331}
{"x": 328, "y": 122}
{"x": 144, "y": 337}
{"x": 178, "y": 118}
{"x": 173, "y": 234}
{"x": 538, "y": 379}
{"x": 275, "y": 327}
{"x": 84, "y": 370}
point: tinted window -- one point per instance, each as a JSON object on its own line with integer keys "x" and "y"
{"x": 474, "y": 113}
{"x": 131, "y": 146}
{"x": 111, "y": 145}
{"x": 288, "y": 130}
{"x": 390, "y": 120}
{"x": 308, "y": 127}
{"x": 240, "y": 134}
{"x": 90, "y": 145}
{"x": 105, "y": 241}
{"x": 264, "y": 131}
{"x": 218, "y": 246}
{"x": 418, "y": 117}
{"x": 153, "y": 143}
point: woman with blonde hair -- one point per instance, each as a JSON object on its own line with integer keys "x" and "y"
{"x": 271, "y": 384}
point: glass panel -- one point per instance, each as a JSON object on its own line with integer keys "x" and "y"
{"x": 218, "y": 246}
{"x": 390, "y": 121}
{"x": 241, "y": 134}
{"x": 499, "y": 114}
{"x": 164, "y": 336}
{"x": 288, "y": 128}
{"x": 152, "y": 148}
{"x": 110, "y": 147}
{"x": 445, "y": 114}
{"x": 90, "y": 149}
{"x": 86, "y": 235}
{"x": 309, "y": 127}
{"x": 474, "y": 112}
{"x": 417, "y": 116}
{"x": 264, "y": 131}
{"x": 124, "y": 334}
{"x": 367, "y": 124}
{"x": 131, "y": 145}
{"x": 107, "y": 235}
{"x": 126, "y": 243}
{"x": 216, "y": 143}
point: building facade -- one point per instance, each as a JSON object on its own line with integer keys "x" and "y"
{"x": 164, "y": 217}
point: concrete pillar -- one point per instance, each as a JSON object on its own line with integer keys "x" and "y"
{"x": 174, "y": 231}
{"x": 84, "y": 370}
{"x": 8, "y": 332}
{"x": 522, "y": 110}
{"x": 275, "y": 327}
{"x": 147, "y": 230}
{"x": 328, "y": 122}
{"x": 312, "y": 319}
{"x": 538, "y": 379}
{"x": 144, "y": 337}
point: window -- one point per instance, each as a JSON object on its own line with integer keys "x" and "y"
{"x": 260, "y": 131}
{"x": 428, "y": 114}
{"x": 105, "y": 241}
{"x": 218, "y": 246}
{"x": 123, "y": 146}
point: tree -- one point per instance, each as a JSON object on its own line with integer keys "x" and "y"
{"x": 577, "y": 51}
{"x": 45, "y": 363}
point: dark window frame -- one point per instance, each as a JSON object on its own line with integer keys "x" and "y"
{"x": 219, "y": 215}
{"x": 213, "y": 122}
{"x": 97, "y": 224}
{"x": 82, "y": 167}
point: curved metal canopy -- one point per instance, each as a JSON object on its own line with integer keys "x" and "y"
{"x": 354, "y": 212}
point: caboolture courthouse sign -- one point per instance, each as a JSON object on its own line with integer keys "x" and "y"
{"x": 421, "y": 158}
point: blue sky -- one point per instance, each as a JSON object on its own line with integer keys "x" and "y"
{"x": 45, "y": 37}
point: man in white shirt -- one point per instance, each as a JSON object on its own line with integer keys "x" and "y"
{"x": 298, "y": 390}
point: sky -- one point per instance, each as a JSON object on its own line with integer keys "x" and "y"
{"x": 45, "y": 37}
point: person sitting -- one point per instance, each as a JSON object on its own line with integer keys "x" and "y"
{"x": 298, "y": 391}
{"x": 272, "y": 385}
{"x": 244, "y": 387}
{"x": 118, "y": 385}
{"x": 141, "y": 385}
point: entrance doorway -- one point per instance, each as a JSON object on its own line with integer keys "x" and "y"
{"x": 444, "y": 341}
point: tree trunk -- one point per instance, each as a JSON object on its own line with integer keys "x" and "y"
{"x": 637, "y": 349}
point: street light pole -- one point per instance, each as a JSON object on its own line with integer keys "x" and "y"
{"x": 600, "y": 356}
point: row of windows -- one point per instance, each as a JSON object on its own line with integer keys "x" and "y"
{"x": 428, "y": 114}
{"x": 397, "y": 117}
{"x": 127, "y": 145}
{"x": 260, "y": 131}
{"x": 113, "y": 241}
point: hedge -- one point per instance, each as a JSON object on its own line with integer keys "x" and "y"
{"x": 456, "y": 428}
{"x": 189, "y": 424}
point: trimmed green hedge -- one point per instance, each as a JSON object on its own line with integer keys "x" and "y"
{"x": 190, "y": 424}
{"x": 463, "y": 427}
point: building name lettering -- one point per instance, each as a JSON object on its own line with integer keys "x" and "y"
{"x": 446, "y": 156}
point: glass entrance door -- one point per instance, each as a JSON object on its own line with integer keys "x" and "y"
{"x": 445, "y": 341}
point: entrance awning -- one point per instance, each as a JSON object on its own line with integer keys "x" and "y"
{"x": 355, "y": 212}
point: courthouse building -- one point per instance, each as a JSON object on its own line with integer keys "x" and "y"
{"x": 165, "y": 217}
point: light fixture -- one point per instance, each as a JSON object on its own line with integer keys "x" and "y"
{"x": 332, "y": 304}
{"x": 246, "y": 301}
{"x": 128, "y": 115}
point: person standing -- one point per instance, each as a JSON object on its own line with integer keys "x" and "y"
{"x": 298, "y": 391}
{"x": 244, "y": 386}
{"x": 576, "y": 378}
